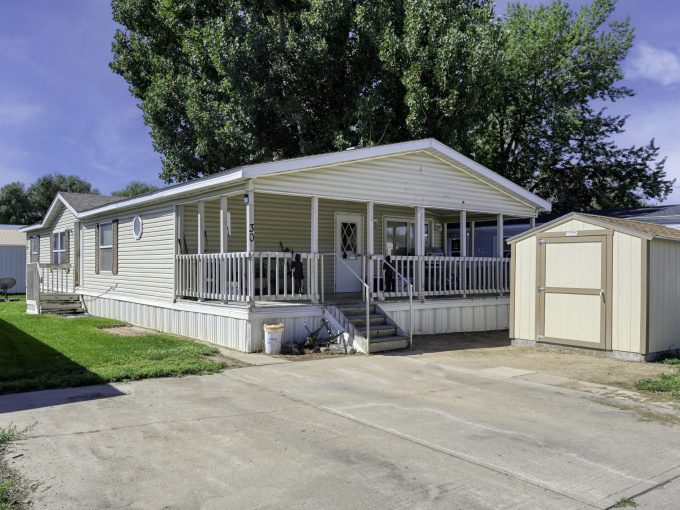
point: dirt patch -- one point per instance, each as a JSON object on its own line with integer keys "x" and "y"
{"x": 493, "y": 349}
{"x": 130, "y": 331}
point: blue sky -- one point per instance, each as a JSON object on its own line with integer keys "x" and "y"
{"x": 63, "y": 110}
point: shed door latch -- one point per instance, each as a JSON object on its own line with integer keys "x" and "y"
{"x": 541, "y": 289}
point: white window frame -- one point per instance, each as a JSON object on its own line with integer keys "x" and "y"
{"x": 105, "y": 247}
{"x": 35, "y": 245}
{"x": 61, "y": 234}
{"x": 411, "y": 227}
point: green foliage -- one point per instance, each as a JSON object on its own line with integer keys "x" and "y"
{"x": 134, "y": 189}
{"x": 47, "y": 351}
{"x": 22, "y": 206}
{"x": 224, "y": 83}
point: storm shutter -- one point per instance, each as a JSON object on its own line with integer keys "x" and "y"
{"x": 96, "y": 249}
{"x": 37, "y": 254}
{"x": 114, "y": 248}
{"x": 66, "y": 247}
{"x": 51, "y": 254}
{"x": 76, "y": 253}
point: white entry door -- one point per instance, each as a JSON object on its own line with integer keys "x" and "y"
{"x": 349, "y": 237}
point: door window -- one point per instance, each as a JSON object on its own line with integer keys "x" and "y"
{"x": 349, "y": 239}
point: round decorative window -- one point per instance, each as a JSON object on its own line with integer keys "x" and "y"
{"x": 137, "y": 227}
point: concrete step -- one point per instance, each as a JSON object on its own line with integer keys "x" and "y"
{"x": 60, "y": 297}
{"x": 360, "y": 320}
{"x": 388, "y": 343}
{"x": 381, "y": 330}
{"x": 356, "y": 309}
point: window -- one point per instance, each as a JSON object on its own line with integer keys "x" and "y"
{"x": 59, "y": 248}
{"x": 400, "y": 236}
{"x": 106, "y": 247}
{"x": 348, "y": 239}
{"x": 137, "y": 227}
{"x": 35, "y": 248}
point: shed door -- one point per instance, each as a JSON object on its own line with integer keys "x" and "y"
{"x": 572, "y": 293}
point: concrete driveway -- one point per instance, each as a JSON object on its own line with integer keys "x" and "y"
{"x": 359, "y": 432}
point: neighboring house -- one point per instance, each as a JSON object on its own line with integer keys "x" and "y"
{"x": 13, "y": 256}
{"x": 482, "y": 235}
{"x": 211, "y": 258}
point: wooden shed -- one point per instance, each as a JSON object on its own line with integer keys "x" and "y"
{"x": 597, "y": 283}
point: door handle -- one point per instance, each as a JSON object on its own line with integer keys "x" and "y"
{"x": 604, "y": 300}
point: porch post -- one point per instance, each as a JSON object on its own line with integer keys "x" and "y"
{"x": 463, "y": 251}
{"x": 370, "y": 249}
{"x": 249, "y": 198}
{"x": 532, "y": 222}
{"x": 499, "y": 251}
{"x": 200, "y": 247}
{"x": 420, "y": 249}
{"x": 201, "y": 227}
{"x": 463, "y": 233}
{"x": 499, "y": 236}
{"x": 314, "y": 249}
{"x": 224, "y": 225}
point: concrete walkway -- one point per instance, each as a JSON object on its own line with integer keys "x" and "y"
{"x": 356, "y": 432}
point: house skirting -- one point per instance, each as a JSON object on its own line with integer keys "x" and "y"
{"x": 232, "y": 326}
{"x": 459, "y": 315}
{"x": 240, "y": 327}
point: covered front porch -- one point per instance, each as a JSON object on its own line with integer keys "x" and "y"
{"x": 244, "y": 247}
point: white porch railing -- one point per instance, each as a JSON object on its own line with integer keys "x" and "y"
{"x": 244, "y": 276}
{"x": 446, "y": 276}
{"x": 51, "y": 278}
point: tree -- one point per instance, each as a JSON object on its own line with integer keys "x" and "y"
{"x": 42, "y": 192}
{"x": 225, "y": 83}
{"x": 549, "y": 129}
{"x": 134, "y": 189}
{"x": 15, "y": 208}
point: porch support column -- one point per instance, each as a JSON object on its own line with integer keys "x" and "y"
{"x": 420, "y": 250}
{"x": 499, "y": 236}
{"x": 532, "y": 222}
{"x": 249, "y": 198}
{"x": 463, "y": 233}
{"x": 463, "y": 251}
{"x": 200, "y": 244}
{"x": 314, "y": 248}
{"x": 200, "y": 247}
{"x": 224, "y": 225}
{"x": 369, "y": 247}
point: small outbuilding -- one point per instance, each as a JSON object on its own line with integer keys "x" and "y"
{"x": 598, "y": 283}
{"x": 13, "y": 256}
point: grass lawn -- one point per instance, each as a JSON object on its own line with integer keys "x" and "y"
{"x": 47, "y": 351}
{"x": 668, "y": 384}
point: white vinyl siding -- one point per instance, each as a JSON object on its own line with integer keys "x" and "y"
{"x": 145, "y": 266}
{"x": 409, "y": 179}
{"x": 63, "y": 221}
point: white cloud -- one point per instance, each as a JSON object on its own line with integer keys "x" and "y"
{"x": 18, "y": 113}
{"x": 655, "y": 64}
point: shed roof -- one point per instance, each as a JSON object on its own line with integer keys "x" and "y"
{"x": 636, "y": 228}
{"x": 11, "y": 236}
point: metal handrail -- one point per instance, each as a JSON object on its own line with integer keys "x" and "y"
{"x": 367, "y": 289}
{"x": 410, "y": 298}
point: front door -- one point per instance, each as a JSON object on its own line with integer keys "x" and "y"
{"x": 572, "y": 299}
{"x": 349, "y": 236}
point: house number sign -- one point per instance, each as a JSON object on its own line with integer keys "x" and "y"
{"x": 251, "y": 232}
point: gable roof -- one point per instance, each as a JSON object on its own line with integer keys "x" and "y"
{"x": 11, "y": 235}
{"x": 641, "y": 229}
{"x": 81, "y": 202}
{"x": 76, "y": 203}
{"x": 242, "y": 173}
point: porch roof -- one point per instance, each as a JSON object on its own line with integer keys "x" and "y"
{"x": 243, "y": 173}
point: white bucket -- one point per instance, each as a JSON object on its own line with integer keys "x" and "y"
{"x": 273, "y": 334}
